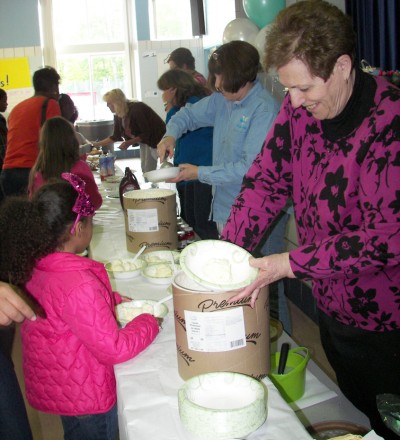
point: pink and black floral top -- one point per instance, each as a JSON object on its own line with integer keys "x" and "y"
{"x": 343, "y": 175}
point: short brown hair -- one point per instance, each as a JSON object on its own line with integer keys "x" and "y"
{"x": 238, "y": 62}
{"x": 45, "y": 79}
{"x": 313, "y": 31}
{"x": 182, "y": 56}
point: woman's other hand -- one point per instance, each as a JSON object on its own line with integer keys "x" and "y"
{"x": 166, "y": 147}
{"x": 271, "y": 268}
{"x": 12, "y": 307}
{"x": 186, "y": 172}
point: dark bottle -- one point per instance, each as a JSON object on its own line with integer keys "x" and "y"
{"x": 128, "y": 183}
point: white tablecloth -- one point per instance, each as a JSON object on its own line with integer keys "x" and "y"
{"x": 147, "y": 388}
{"x": 147, "y": 385}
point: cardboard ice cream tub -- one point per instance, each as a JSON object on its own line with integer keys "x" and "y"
{"x": 213, "y": 335}
{"x": 150, "y": 220}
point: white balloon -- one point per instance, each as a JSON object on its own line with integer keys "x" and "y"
{"x": 259, "y": 41}
{"x": 240, "y": 29}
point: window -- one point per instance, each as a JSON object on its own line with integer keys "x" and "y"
{"x": 172, "y": 20}
{"x": 93, "y": 43}
{"x": 91, "y": 51}
{"x": 218, "y": 15}
{"x": 87, "y": 77}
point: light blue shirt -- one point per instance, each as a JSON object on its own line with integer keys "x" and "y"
{"x": 240, "y": 128}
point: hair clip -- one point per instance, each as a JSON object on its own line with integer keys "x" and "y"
{"x": 83, "y": 206}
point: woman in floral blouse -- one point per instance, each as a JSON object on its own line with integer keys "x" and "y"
{"x": 335, "y": 150}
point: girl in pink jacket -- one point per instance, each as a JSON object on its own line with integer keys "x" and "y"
{"x": 69, "y": 353}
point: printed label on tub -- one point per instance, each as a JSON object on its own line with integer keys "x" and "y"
{"x": 216, "y": 331}
{"x": 142, "y": 220}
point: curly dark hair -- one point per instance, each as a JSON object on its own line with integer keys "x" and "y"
{"x": 68, "y": 108}
{"x": 32, "y": 229}
{"x": 184, "y": 83}
{"x": 238, "y": 63}
{"x": 315, "y": 32}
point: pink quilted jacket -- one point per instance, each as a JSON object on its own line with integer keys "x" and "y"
{"x": 68, "y": 357}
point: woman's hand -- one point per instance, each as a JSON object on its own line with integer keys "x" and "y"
{"x": 125, "y": 145}
{"x": 12, "y": 307}
{"x": 125, "y": 299}
{"x": 186, "y": 172}
{"x": 271, "y": 269}
{"x": 166, "y": 146}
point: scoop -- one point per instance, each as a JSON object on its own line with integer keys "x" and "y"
{"x": 165, "y": 163}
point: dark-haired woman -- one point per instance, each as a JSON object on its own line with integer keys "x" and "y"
{"x": 180, "y": 88}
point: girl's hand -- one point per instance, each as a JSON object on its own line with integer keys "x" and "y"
{"x": 125, "y": 299}
{"x": 271, "y": 269}
{"x": 159, "y": 322}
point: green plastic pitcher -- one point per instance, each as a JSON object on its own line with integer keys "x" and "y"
{"x": 292, "y": 382}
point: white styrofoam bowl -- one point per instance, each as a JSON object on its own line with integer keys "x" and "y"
{"x": 162, "y": 174}
{"x": 126, "y": 311}
{"x": 222, "y": 405}
{"x": 218, "y": 265}
{"x": 137, "y": 266}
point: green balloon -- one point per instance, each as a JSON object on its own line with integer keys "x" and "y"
{"x": 262, "y": 12}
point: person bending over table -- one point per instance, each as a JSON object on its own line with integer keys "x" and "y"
{"x": 180, "y": 88}
{"x": 334, "y": 149}
{"x": 134, "y": 123}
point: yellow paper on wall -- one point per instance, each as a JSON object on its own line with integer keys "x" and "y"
{"x": 14, "y": 73}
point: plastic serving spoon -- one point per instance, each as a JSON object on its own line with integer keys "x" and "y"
{"x": 158, "y": 303}
{"x": 163, "y": 300}
{"x": 141, "y": 250}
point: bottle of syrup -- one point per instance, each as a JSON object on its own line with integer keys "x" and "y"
{"x": 128, "y": 183}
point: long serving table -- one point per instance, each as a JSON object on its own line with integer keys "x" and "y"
{"x": 147, "y": 385}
